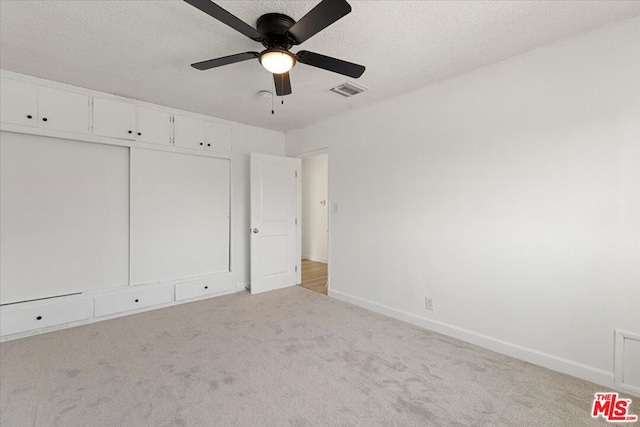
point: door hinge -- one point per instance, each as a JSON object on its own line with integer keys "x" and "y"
{"x": 296, "y": 268}
{"x": 296, "y": 174}
{"x": 296, "y": 221}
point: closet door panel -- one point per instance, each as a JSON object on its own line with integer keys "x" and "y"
{"x": 65, "y": 217}
{"x": 179, "y": 216}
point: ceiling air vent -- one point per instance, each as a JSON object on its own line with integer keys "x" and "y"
{"x": 348, "y": 89}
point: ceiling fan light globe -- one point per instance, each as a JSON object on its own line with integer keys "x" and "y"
{"x": 277, "y": 62}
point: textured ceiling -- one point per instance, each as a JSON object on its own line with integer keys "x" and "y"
{"x": 142, "y": 49}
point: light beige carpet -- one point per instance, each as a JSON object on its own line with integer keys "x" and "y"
{"x": 286, "y": 358}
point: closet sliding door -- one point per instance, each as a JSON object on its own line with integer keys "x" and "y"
{"x": 179, "y": 216}
{"x": 64, "y": 217}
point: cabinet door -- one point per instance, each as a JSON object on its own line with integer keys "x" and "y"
{"x": 189, "y": 132}
{"x": 63, "y": 110}
{"x": 18, "y": 102}
{"x": 115, "y": 119}
{"x": 28, "y": 316}
{"x": 217, "y": 137}
{"x": 154, "y": 126}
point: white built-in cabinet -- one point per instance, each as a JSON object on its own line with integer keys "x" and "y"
{"x": 189, "y": 132}
{"x": 197, "y": 134}
{"x": 28, "y": 104}
{"x": 114, "y": 119}
{"x": 181, "y": 161}
{"x": 123, "y": 120}
{"x": 63, "y": 110}
{"x": 33, "y": 105}
{"x": 217, "y": 137}
{"x": 35, "y": 315}
{"x": 154, "y": 126}
{"x": 19, "y": 102}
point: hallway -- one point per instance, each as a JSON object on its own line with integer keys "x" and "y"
{"x": 314, "y": 276}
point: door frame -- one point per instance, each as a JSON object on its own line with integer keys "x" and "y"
{"x": 323, "y": 150}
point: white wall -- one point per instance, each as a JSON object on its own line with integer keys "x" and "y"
{"x": 511, "y": 195}
{"x": 247, "y": 140}
{"x": 315, "y": 182}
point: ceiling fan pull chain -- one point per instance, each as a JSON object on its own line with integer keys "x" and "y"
{"x": 272, "y": 101}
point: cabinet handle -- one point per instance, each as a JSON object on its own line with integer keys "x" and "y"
{"x": 136, "y": 300}
{"x": 208, "y": 145}
{"x": 29, "y": 116}
{"x": 44, "y": 119}
{"x": 39, "y": 318}
{"x": 201, "y": 143}
{"x": 139, "y": 133}
{"x": 130, "y": 131}
{"x": 206, "y": 287}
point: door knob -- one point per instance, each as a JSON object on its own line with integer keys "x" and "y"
{"x": 255, "y": 230}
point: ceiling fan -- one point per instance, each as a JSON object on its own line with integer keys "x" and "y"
{"x": 278, "y": 33}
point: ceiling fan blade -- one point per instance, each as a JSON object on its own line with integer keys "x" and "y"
{"x": 317, "y": 19}
{"x": 225, "y": 17}
{"x": 330, "y": 64}
{"x": 283, "y": 84}
{"x": 225, "y": 60}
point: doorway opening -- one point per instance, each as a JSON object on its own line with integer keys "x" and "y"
{"x": 315, "y": 222}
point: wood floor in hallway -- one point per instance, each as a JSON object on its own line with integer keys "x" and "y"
{"x": 314, "y": 276}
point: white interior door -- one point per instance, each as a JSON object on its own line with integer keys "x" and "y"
{"x": 275, "y": 229}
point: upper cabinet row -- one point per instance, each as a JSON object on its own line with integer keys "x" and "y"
{"x": 27, "y": 104}
{"x": 32, "y": 105}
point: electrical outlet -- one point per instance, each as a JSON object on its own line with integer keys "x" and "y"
{"x": 428, "y": 303}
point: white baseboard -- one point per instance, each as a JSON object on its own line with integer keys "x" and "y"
{"x": 315, "y": 258}
{"x": 559, "y": 364}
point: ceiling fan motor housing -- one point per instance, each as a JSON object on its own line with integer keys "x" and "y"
{"x": 274, "y": 27}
